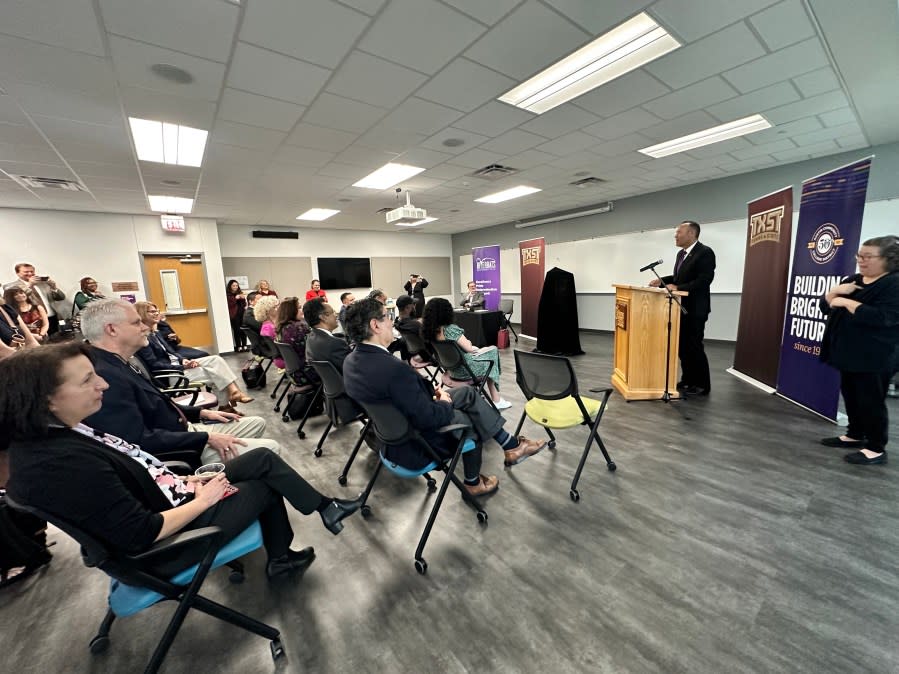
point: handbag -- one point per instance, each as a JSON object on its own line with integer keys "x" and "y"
{"x": 17, "y": 341}
{"x": 253, "y": 374}
{"x": 502, "y": 338}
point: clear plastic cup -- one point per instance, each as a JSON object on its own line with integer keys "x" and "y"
{"x": 209, "y": 470}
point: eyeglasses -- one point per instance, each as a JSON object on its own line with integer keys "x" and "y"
{"x": 152, "y": 311}
{"x": 383, "y": 317}
{"x": 866, "y": 256}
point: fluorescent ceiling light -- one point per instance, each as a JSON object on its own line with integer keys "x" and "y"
{"x": 511, "y": 193}
{"x": 716, "y": 134}
{"x": 168, "y": 143}
{"x": 388, "y": 176}
{"x": 164, "y": 204}
{"x": 317, "y": 214}
{"x": 631, "y": 45}
{"x": 416, "y": 223}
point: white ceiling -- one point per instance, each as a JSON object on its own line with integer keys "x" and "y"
{"x": 303, "y": 98}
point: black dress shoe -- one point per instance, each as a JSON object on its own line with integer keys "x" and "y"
{"x": 694, "y": 391}
{"x": 294, "y": 561}
{"x": 337, "y": 510}
{"x": 681, "y": 385}
{"x": 837, "y": 442}
{"x": 862, "y": 460}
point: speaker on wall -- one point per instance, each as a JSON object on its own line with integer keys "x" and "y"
{"x": 263, "y": 234}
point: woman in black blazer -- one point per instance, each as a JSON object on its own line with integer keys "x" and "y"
{"x": 861, "y": 340}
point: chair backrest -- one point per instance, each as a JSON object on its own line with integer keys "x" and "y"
{"x": 543, "y": 376}
{"x": 267, "y": 347}
{"x": 391, "y": 425}
{"x": 416, "y": 344}
{"x": 331, "y": 379}
{"x": 292, "y": 362}
{"x": 450, "y": 355}
{"x": 507, "y": 306}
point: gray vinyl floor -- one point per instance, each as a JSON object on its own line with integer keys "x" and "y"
{"x": 727, "y": 541}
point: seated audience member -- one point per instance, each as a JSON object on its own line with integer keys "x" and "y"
{"x": 346, "y": 299}
{"x": 405, "y": 322}
{"x": 33, "y": 315}
{"x": 315, "y": 291}
{"x": 136, "y": 410}
{"x": 437, "y": 325}
{"x": 472, "y": 298}
{"x": 293, "y": 330}
{"x": 160, "y": 355}
{"x": 120, "y": 493}
{"x": 378, "y": 294}
{"x": 237, "y": 304}
{"x": 323, "y": 344}
{"x": 249, "y": 318}
{"x": 264, "y": 289}
{"x": 88, "y": 293}
{"x": 174, "y": 340}
{"x": 266, "y": 312}
{"x": 41, "y": 290}
{"x": 14, "y": 335}
{"x": 372, "y": 375}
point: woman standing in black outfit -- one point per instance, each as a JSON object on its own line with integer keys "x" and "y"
{"x": 237, "y": 304}
{"x": 861, "y": 340}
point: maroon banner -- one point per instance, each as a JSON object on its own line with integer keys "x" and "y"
{"x": 764, "y": 297}
{"x": 531, "y": 253}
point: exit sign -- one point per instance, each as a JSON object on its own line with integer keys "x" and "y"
{"x": 172, "y": 223}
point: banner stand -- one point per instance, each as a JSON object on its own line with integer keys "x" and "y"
{"x": 751, "y": 381}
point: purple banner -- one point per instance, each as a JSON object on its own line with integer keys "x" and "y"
{"x": 485, "y": 273}
{"x": 827, "y": 238}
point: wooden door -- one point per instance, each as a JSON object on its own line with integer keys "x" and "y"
{"x": 182, "y": 283}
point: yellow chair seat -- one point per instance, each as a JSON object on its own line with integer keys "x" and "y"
{"x": 562, "y": 413}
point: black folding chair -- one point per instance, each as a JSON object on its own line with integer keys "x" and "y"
{"x": 260, "y": 347}
{"x": 550, "y": 387}
{"x": 392, "y": 428}
{"x": 293, "y": 365}
{"x": 421, "y": 358}
{"x": 175, "y": 385}
{"x": 451, "y": 357}
{"x": 507, "y": 307}
{"x": 342, "y": 410}
{"x": 135, "y": 586}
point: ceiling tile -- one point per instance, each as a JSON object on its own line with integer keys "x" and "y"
{"x": 320, "y": 138}
{"x": 370, "y": 7}
{"x": 709, "y": 56}
{"x": 396, "y": 141}
{"x": 715, "y": 150}
{"x": 485, "y": 12}
{"x": 37, "y": 154}
{"x": 783, "y": 24}
{"x": 693, "y": 20}
{"x": 10, "y": 113}
{"x": 493, "y": 119}
{"x": 147, "y": 104}
{"x": 572, "y": 142}
{"x": 448, "y": 171}
{"x": 825, "y": 147}
{"x": 303, "y": 156}
{"x": 785, "y": 130}
{"x": 810, "y": 106}
{"x": 60, "y": 130}
{"x": 477, "y": 158}
{"x": 675, "y": 128}
{"x": 430, "y": 34}
{"x": 269, "y": 74}
{"x": 420, "y": 116}
{"x": 838, "y": 117}
{"x": 513, "y": 142}
{"x": 598, "y": 17}
{"x": 114, "y": 153}
{"x": 767, "y": 148}
{"x": 83, "y": 107}
{"x": 788, "y": 62}
{"x": 465, "y": 85}
{"x": 621, "y": 94}
{"x": 755, "y": 102}
{"x": 366, "y": 158}
{"x": 370, "y": 79}
{"x": 25, "y": 61}
{"x": 71, "y": 24}
{"x": 847, "y": 129}
{"x": 202, "y": 28}
{"x": 424, "y": 158}
{"x": 21, "y": 168}
{"x": 622, "y": 124}
{"x": 504, "y": 50}
{"x": 20, "y": 134}
{"x": 318, "y": 31}
{"x": 853, "y": 142}
{"x": 622, "y": 145}
{"x": 693, "y": 97}
{"x": 342, "y": 113}
{"x": 239, "y": 106}
{"x": 559, "y": 121}
{"x": 817, "y": 82}
{"x": 345, "y": 171}
{"x": 244, "y": 135}
{"x": 452, "y": 133}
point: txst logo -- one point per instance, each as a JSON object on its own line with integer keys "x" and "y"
{"x": 486, "y": 264}
{"x": 825, "y": 242}
{"x": 765, "y": 226}
{"x": 530, "y": 255}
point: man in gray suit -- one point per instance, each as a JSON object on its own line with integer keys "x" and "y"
{"x": 473, "y": 299}
{"x": 41, "y": 290}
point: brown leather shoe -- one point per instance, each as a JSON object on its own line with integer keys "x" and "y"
{"x": 239, "y": 397}
{"x": 229, "y": 408}
{"x": 526, "y": 448}
{"x": 487, "y": 484}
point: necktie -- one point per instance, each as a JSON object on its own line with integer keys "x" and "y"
{"x": 680, "y": 258}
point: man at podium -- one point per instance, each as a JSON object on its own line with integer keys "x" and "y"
{"x": 694, "y": 270}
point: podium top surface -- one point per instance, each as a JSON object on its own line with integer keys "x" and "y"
{"x": 648, "y": 289}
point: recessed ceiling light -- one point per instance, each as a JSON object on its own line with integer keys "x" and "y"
{"x": 627, "y": 47}
{"x": 317, "y": 214}
{"x": 388, "y": 176}
{"x": 171, "y": 183}
{"x": 165, "y": 204}
{"x": 417, "y": 223}
{"x": 168, "y": 143}
{"x": 171, "y": 73}
{"x": 716, "y": 134}
{"x": 511, "y": 193}
{"x": 453, "y": 142}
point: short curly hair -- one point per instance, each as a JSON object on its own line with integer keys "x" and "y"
{"x": 263, "y": 307}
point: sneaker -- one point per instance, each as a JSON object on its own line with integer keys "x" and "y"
{"x": 503, "y": 404}
{"x": 526, "y": 448}
{"x": 487, "y": 484}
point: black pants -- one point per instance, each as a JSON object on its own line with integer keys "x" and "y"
{"x": 865, "y": 395}
{"x": 237, "y": 335}
{"x": 693, "y": 361}
{"x": 265, "y": 482}
{"x": 472, "y": 410}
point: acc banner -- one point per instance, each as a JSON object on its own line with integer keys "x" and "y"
{"x": 760, "y": 330}
{"x": 827, "y": 238}
{"x": 531, "y": 253}
{"x": 485, "y": 274}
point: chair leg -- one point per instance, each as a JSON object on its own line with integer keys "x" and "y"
{"x": 321, "y": 440}
{"x": 520, "y": 424}
{"x": 233, "y": 617}
{"x": 368, "y": 488}
{"x": 274, "y": 393}
{"x": 171, "y": 631}
{"x": 594, "y": 433}
{"x": 420, "y": 563}
{"x": 283, "y": 395}
{"x": 300, "y": 432}
{"x": 552, "y": 438}
{"x": 267, "y": 366}
{"x": 346, "y": 469}
{"x": 100, "y": 642}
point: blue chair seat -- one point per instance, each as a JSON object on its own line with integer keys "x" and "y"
{"x": 126, "y": 600}
{"x": 401, "y": 471}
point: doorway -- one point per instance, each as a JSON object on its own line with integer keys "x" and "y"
{"x": 177, "y": 285}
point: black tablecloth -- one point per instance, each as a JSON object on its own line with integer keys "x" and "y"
{"x": 480, "y": 326}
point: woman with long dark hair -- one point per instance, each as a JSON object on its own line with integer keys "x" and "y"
{"x": 33, "y": 315}
{"x": 237, "y": 304}
{"x": 292, "y": 328}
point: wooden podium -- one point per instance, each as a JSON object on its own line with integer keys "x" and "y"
{"x": 641, "y": 328}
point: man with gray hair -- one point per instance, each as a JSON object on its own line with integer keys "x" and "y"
{"x": 136, "y": 410}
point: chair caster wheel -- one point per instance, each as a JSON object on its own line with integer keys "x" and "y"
{"x": 341, "y": 480}
{"x": 285, "y": 417}
{"x": 99, "y": 645}
{"x": 482, "y": 516}
{"x": 365, "y": 511}
{"x": 432, "y": 485}
{"x": 301, "y": 434}
{"x": 574, "y": 495}
{"x": 612, "y": 466}
{"x": 317, "y": 452}
{"x": 277, "y": 408}
{"x": 551, "y": 444}
{"x": 236, "y": 577}
{"x": 273, "y": 395}
{"x": 277, "y": 649}
{"x": 421, "y": 566}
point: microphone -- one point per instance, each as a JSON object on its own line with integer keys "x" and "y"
{"x": 652, "y": 265}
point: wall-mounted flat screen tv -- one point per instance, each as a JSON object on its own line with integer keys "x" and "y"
{"x": 344, "y": 272}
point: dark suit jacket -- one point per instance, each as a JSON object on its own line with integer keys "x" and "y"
{"x": 477, "y": 300}
{"x": 333, "y": 349}
{"x": 135, "y": 410}
{"x": 250, "y": 321}
{"x": 419, "y": 292}
{"x": 372, "y": 375}
{"x": 695, "y": 277}
{"x": 156, "y": 355}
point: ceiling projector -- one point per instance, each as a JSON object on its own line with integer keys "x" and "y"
{"x": 406, "y": 215}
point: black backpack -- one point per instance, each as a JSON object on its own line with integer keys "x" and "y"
{"x": 253, "y": 374}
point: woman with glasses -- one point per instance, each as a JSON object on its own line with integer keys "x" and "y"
{"x": 88, "y": 293}
{"x": 861, "y": 340}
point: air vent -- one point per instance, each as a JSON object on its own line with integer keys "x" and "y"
{"x": 35, "y": 183}
{"x": 587, "y": 182}
{"x": 494, "y": 172}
